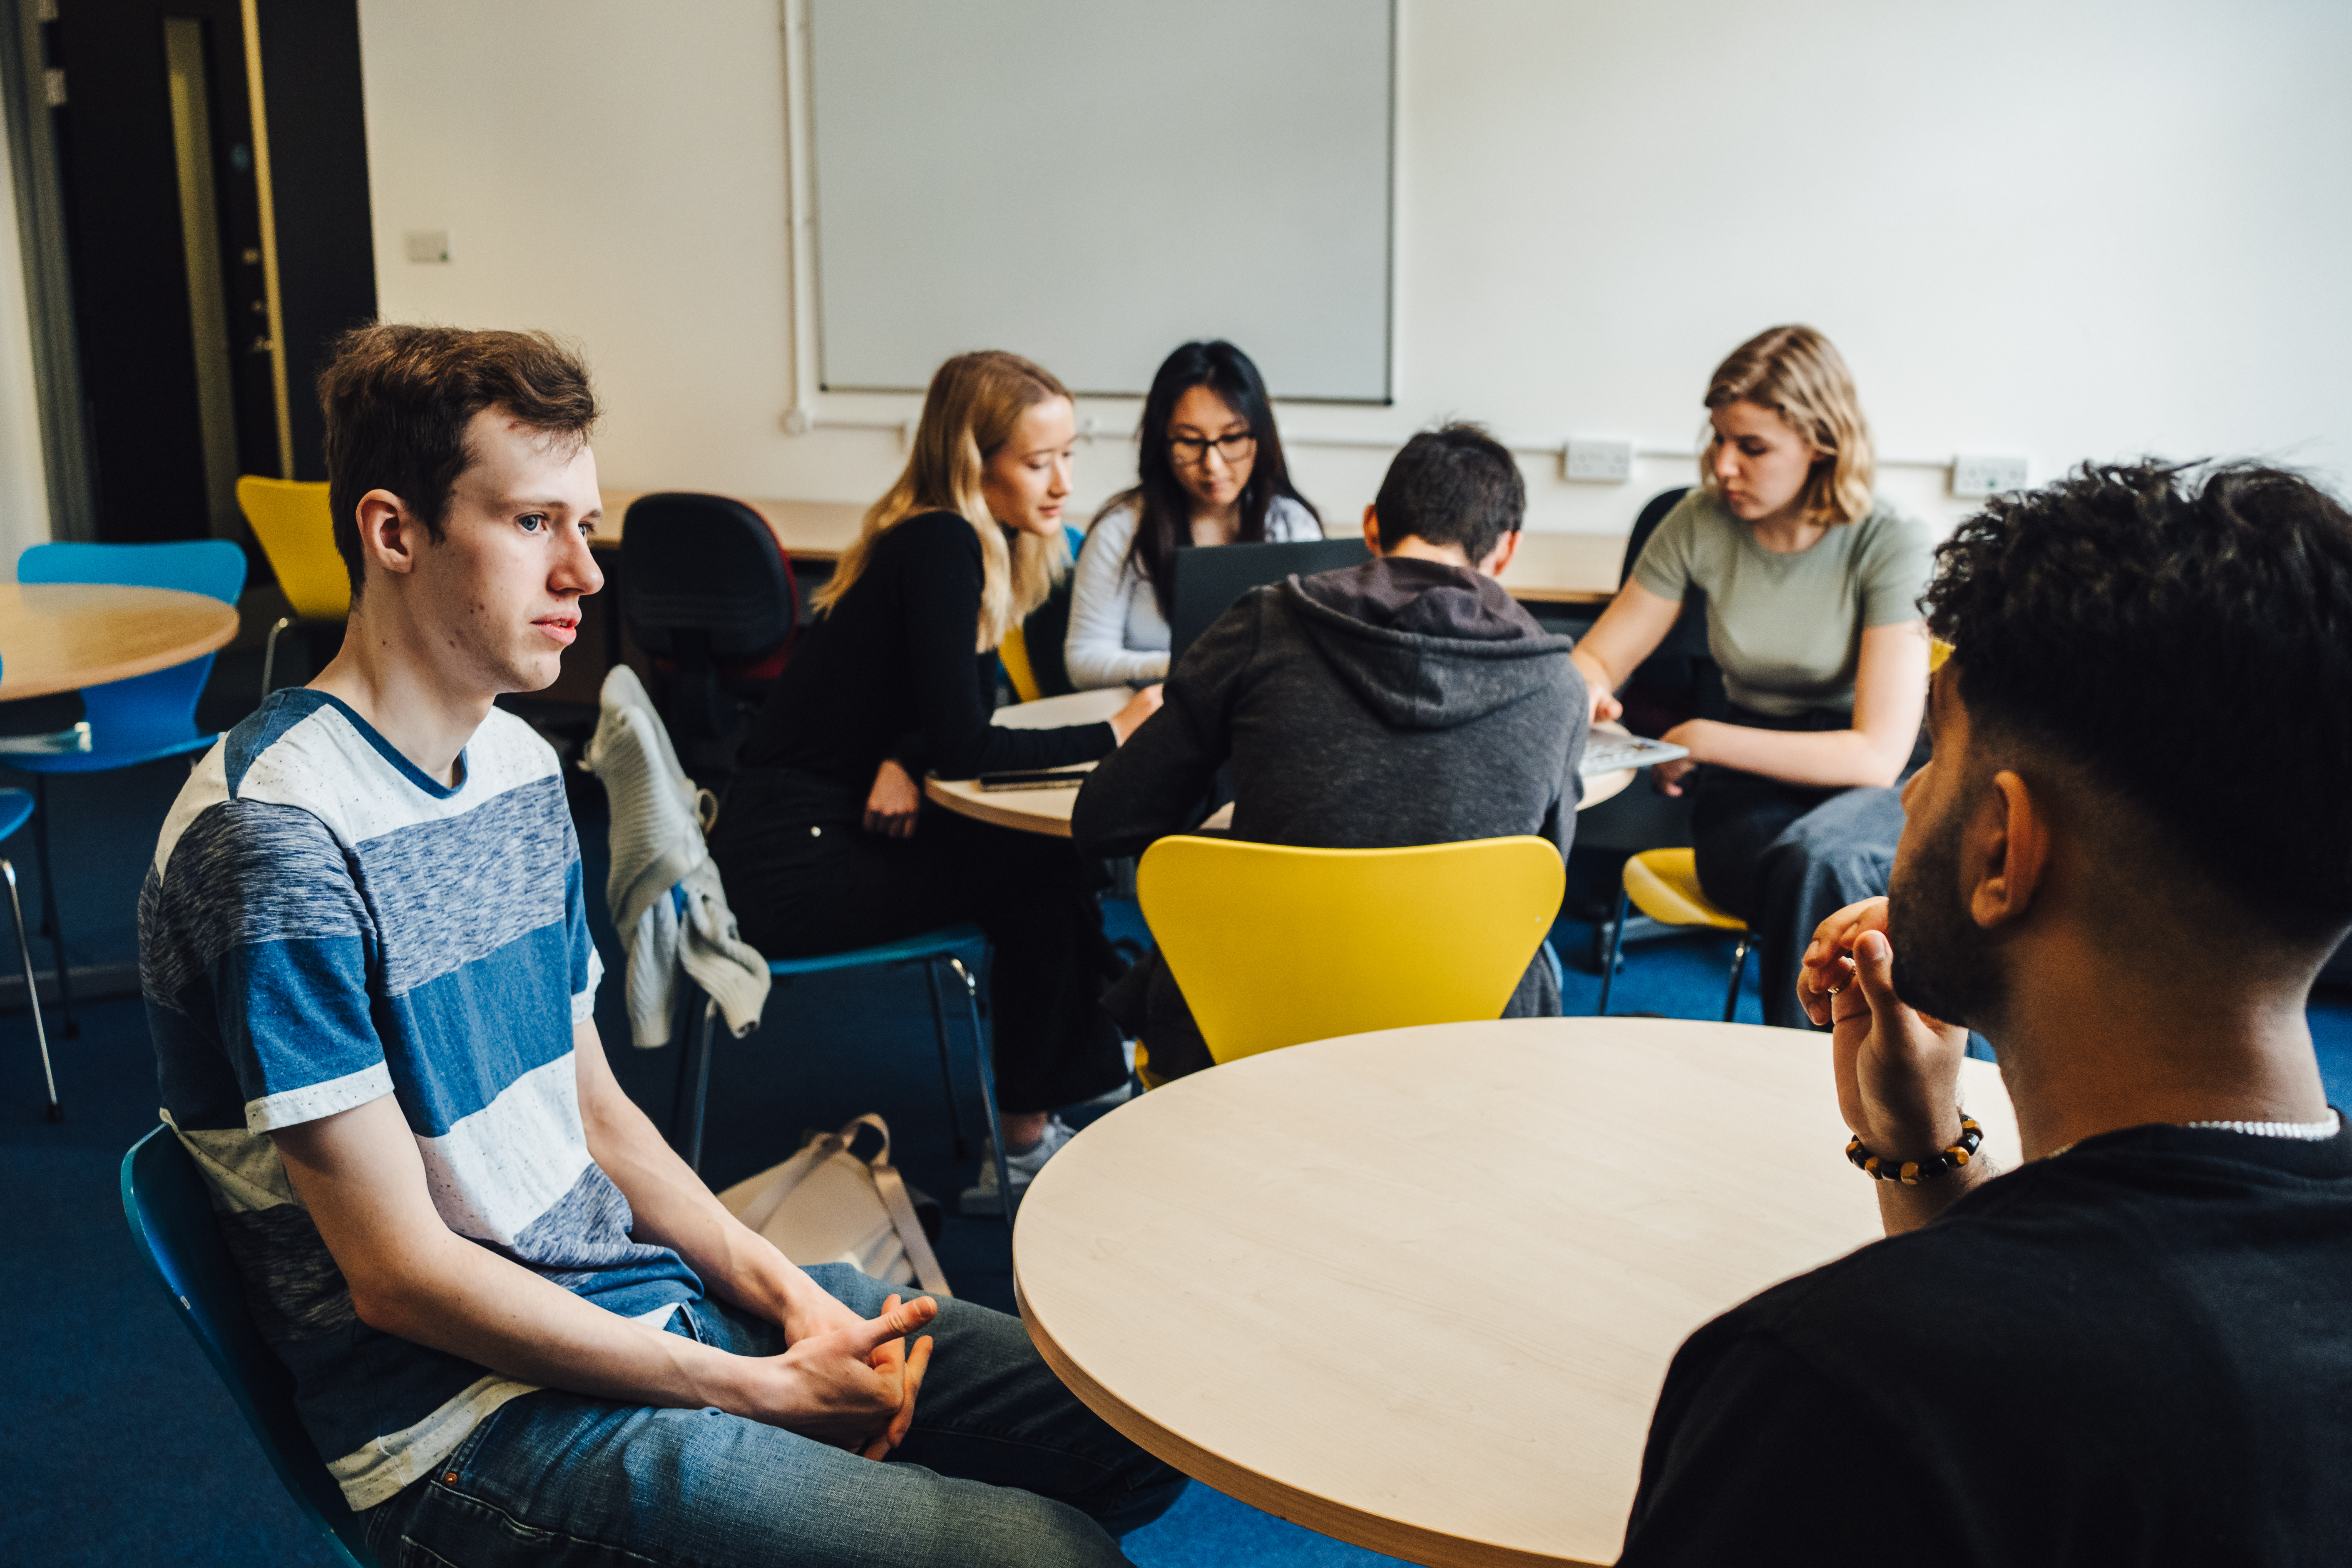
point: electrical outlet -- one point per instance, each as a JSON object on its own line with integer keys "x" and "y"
{"x": 1602, "y": 462}
{"x": 428, "y": 244}
{"x": 1984, "y": 476}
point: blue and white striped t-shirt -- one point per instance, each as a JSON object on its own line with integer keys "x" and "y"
{"x": 322, "y": 925}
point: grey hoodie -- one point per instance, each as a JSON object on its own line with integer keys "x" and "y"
{"x": 1402, "y": 701}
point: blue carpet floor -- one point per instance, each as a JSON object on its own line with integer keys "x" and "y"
{"x": 121, "y": 1448}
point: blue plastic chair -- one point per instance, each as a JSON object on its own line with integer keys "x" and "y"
{"x": 130, "y": 722}
{"x": 170, "y": 1217}
{"x": 933, "y": 950}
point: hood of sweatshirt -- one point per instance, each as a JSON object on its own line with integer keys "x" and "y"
{"x": 1426, "y": 646}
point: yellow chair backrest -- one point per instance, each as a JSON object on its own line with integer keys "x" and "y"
{"x": 296, "y": 530}
{"x": 1014, "y": 652}
{"x": 1275, "y": 946}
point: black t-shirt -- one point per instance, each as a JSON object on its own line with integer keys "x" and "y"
{"x": 2136, "y": 1352}
{"x": 890, "y": 672}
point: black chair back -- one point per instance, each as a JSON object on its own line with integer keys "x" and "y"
{"x": 708, "y": 596}
{"x": 1680, "y": 679}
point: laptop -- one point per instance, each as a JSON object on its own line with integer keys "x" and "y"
{"x": 1210, "y": 579}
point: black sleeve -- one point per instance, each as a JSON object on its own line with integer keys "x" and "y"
{"x": 1155, "y": 784}
{"x": 938, "y": 601}
{"x": 1754, "y": 1456}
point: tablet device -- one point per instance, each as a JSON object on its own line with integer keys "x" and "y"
{"x": 1209, "y": 578}
{"x": 1605, "y": 753}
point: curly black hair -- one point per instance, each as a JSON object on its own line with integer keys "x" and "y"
{"x": 2183, "y": 633}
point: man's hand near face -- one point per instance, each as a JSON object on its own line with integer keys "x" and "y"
{"x": 1898, "y": 1071}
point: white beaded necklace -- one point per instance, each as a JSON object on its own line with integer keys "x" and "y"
{"x": 2309, "y": 1131}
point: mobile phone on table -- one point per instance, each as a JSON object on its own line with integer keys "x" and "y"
{"x": 1032, "y": 778}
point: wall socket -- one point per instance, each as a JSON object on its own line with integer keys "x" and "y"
{"x": 1977, "y": 475}
{"x": 426, "y": 244}
{"x": 1602, "y": 462}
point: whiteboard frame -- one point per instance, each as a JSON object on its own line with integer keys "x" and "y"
{"x": 814, "y": 401}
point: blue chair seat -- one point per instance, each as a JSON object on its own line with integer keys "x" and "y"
{"x": 171, "y": 1222}
{"x": 15, "y": 810}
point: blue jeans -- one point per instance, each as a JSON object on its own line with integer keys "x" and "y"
{"x": 1002, "y": 1466}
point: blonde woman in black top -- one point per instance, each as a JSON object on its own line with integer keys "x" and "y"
{"x": 824, "y": 842}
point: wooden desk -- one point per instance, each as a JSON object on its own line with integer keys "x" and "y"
{"x": 1565, "y": 568}
{"x": 1553, "y": 568}
{"x": 1047, "y": 811}
{"x": 809, "y": 530}
{"x": 62, "y": 637}
{"x": 1418, "y": 1290}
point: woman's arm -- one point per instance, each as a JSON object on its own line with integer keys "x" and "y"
{"x": 1628, "y": 632}
{"x": 1095, "y": 649}
{"x": 1890, "y": 695}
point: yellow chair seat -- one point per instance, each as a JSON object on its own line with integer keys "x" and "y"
{"x": 1664, "y": 885}
{"x": 1274, "y": 946}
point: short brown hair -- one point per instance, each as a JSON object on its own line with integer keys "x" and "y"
{"x": 1798, "y": 375}
{"x": 398, "y": 399}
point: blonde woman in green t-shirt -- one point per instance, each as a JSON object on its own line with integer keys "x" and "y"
{"x": 1811, "y": 586}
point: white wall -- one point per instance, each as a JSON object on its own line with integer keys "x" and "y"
{"x": 24, "y": 483}
{"x": 2062, "y": 229}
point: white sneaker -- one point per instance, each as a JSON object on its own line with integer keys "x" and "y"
{"x": 983, "y": 1197}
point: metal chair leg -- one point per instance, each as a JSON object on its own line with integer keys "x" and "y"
{"x": 269, "y": 653}
{"x": 947, "y": 1068}
{"x": 694, "y": 1087}
{"x": 57, "y": 1112}
{"x": 50, "y": 925}
{"x": 988, "y": 1091}
{"x": 1738, "y": 970}
{"x": 1608, "y": 964}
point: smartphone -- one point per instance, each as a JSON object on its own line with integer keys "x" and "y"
{"x": 1035, "y": 778}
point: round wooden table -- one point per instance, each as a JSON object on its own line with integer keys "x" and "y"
{"x": 1047, "y": 811}
{"x": 62, "y": 637}
{"x": 1418, "y": 1290}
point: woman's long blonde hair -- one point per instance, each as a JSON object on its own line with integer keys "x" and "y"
{"x": 1798, "y": 374}
{"x": 975, "y": 401}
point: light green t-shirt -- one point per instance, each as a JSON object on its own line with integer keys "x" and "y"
{"x": 1786, "y": 629}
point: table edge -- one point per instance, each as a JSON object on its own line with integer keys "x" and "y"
{"x": 13, "y": 690}
{"x": 982, "y": 810}
{"x": 1375, "y": 1532}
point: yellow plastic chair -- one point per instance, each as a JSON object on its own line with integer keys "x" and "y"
{"x": 297, "y": 530}
{"x": 1275, "y": 946}
{"x": 1013, "y": 651}
{"x": 1664, "y": 885}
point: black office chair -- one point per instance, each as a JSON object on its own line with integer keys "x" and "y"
{"x": 1680, "y": 679}
{"x": 709, "y": 596}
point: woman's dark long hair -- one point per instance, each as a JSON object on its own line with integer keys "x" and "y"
{"x": 1163, "y": 506}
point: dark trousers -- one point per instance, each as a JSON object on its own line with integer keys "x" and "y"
{"x": 800, "y": 888}
{"x": 1784, "y": 857}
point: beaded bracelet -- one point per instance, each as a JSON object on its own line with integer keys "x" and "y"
{"x": 1911, "y": 1173}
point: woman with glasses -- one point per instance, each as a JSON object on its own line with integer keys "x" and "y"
{"x": 1211, "y": 473}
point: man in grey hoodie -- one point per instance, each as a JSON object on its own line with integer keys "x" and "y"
{"x": 1407, "y": 700}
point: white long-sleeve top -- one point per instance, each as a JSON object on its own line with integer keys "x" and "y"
{"x": 1116, "y": 634}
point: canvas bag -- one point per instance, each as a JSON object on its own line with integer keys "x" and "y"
{"x": 840, "y": 1200}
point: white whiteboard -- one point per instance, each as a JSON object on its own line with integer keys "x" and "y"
{"x": 1091, "y": 183}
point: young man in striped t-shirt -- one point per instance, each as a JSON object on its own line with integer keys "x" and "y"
{"x": 519, "y": 1326}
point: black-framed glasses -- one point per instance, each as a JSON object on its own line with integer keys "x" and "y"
{"x": 1193, "y": 450}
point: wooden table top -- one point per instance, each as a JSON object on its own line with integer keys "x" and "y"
{"x": 1418, "y": 1290}
{"x": 1047, "y": 811}
{"x": 62, "y": 637}
{"x": 1553, "y": 568}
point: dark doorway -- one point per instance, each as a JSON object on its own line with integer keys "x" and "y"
{"x": 193, "y": 369}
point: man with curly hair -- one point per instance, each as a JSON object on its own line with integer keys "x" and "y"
{"x": 2136, "y": 1346}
